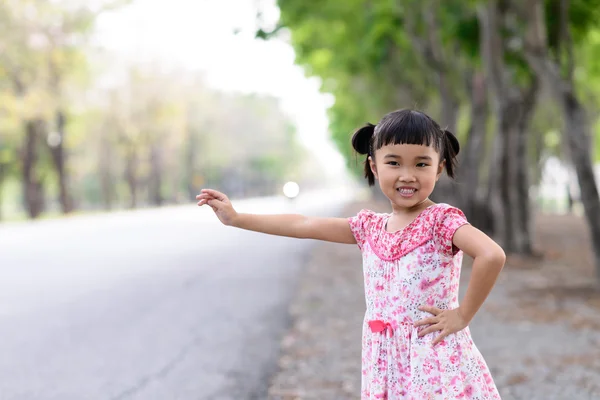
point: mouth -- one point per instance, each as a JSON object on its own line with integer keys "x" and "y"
{"x": 406, "y": 191}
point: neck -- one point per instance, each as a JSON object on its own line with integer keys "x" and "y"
{"x": 416, "y": 208}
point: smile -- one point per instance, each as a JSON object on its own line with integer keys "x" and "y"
{"x": 406, "y": 192}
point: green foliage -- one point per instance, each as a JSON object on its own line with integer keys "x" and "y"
{"x": 365, "y": 54}
{"x": 349, "y": 45}
{"x": 584, "y": 16}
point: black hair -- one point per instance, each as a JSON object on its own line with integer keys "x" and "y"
{"x": 406, "y": 127}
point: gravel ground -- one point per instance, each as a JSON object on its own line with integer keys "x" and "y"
{"x": 539, "y": 330}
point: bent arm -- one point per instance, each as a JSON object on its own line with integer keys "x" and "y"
{"x": 488, "y": 261}
{"x": 298, "y": 226}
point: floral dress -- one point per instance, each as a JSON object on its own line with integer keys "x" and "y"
{"x": 417, "y": 265}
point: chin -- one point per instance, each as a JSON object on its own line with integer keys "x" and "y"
{"x": 408, "y": 203}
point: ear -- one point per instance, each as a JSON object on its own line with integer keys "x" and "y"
{"x": 373, "y": 167}
{"x": 440, "y": 170}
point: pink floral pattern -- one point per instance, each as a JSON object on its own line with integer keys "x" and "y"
{"x": 403, "y": 270}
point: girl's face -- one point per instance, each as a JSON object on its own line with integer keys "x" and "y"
{"x": 407, "y": 173}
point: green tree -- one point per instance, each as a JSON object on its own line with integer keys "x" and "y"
{"x": 43, "y": 50}
{"x": 445, "y": 55}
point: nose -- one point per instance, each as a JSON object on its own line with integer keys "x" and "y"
{"x": 406, "y": 176}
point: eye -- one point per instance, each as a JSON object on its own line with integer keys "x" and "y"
{"x": 421, "y": 165}
{"x": 393, "y": 163}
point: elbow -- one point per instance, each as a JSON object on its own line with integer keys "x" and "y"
{"x": 495, "y": 258}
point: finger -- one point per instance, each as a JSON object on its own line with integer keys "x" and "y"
{"x": 430, "y": 329}
{"x": 204, "y": 196}
{"x": 439, "y": 338}
{"x": 430, "y": 309}
{"x": 426, "y": 321}
{"x": 214, "y": 193}
{"x": 215, "y": 204}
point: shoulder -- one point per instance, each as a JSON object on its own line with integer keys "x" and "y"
{"x": 364, "y": 225}
{"x": 447, "y": 216}
{"x": 439, "y": 214}
{"x": 448, "y": 220}
{"x": 365, "y": 217}
{"x": 366, "y": 212}
{"x": 445, "y": 212}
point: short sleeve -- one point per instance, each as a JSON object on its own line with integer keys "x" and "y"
{"x": 359, "y": 226}
{"x": 448, "y": 221}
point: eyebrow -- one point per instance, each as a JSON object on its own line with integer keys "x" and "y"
{"x": 418, "y": 157}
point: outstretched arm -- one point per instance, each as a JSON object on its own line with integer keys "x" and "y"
{"x": 291, "y": 225}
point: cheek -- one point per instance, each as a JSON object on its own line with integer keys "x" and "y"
{"x": 386, "y": 174}
{"x": 427, "y": 176}
{"x": 433, "y": 177}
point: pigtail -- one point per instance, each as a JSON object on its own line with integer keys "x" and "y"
{"x": 362, "y": 144}
{"x": 451, "y": 150}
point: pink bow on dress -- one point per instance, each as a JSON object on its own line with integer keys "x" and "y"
{"x": 380, "y": 326}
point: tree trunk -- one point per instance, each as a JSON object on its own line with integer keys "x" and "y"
{"x": 190, "y": 163}
{"x": 131, "y": 175}
{"x": 430, "y": 46}
{"x": 32, "y": 185}
{"x": 448, "y": 190}
{"x": 569, "y": 198}
{"x": 58, "y": 157}
{"x": 156, "y": 196}
{"x": 493, "y": 198}
{"x": 499, "y": 189}
{"x": 2, "y": 176}
{"x": 508, "y": 102}
{"x": 577, "y": 128}
{"x": 515, "y": 183}
{"x": 105, "y": 167}
{"x": 508, "y": 118}
{"x": 450, "y": 103}
{"x": 472, "y": 154}
{"x": 493, "y": 61}
{"x": 523, "y": 180}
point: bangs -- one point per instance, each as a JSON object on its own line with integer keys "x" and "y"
{"x": 408, "y": 127}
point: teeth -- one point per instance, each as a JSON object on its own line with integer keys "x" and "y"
{"x": 407, "y": 191}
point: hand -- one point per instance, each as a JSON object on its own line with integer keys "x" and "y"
{"x": 219, "y": 203}
{"x": 447, "y": 321}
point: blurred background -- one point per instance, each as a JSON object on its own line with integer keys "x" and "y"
{"x": 134, "y": 104}
{"x": 115, "y": 105}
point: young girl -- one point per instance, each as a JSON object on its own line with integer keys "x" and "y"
{"x": 416, "y": 341}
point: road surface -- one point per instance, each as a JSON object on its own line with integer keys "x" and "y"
{"x": 154, "y": 304}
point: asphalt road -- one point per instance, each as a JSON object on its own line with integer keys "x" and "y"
{"x": 155, "y": 304}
